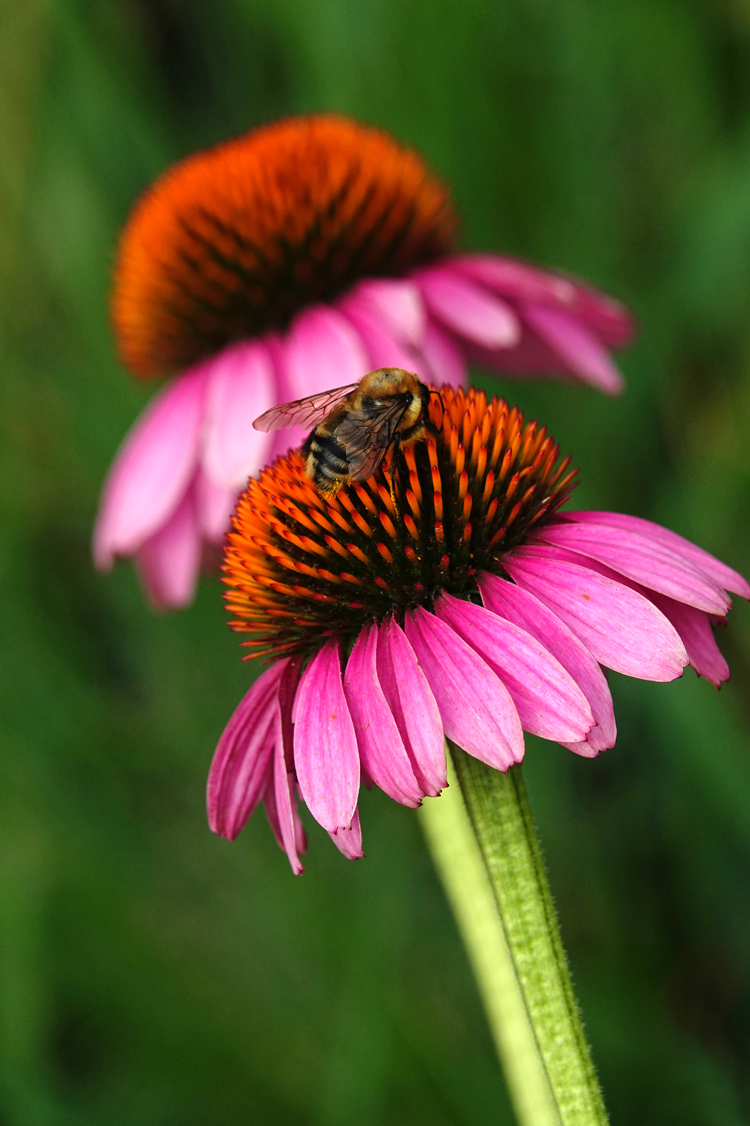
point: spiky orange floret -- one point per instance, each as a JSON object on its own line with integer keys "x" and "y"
{"x": 233, "y": 241}
{"x": 301, "y": 567}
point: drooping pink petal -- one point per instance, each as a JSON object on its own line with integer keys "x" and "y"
{"x": 531, "y": 356}
{"x": 548, "y": 701}
{"x": 516, "y": 280}
{"x": 215, "y": 504}
{"x": 475, "y": 706}
{"x": 442, "y": 356}
{"x": 269, "y": 803}
{"x": 413, "y": 707}
{"x": 722, "y": 575}
{"x": 398, "y": 305}
{"x": 325, "y": 745}
{"x": 349, "y": 841}
{"x": 276, "y": 346}
{"x": 281, "y": 793}
{"x": 169, "y": 561}
{"x": 698, "y": 638}
{"x": 284, "y": 783}
{"x": 285, "y": 804}
{"x": 620, "y": 628}
{"x": 381, "y": 748}
{"x": 300, "y": 835}
{"x": 470, "y": 310}
{"x": 272, "y": 813}
{"x": 600, "y": 313}
{"x": 639, "y": 558}
{"x": 576, "y": 346}
{"x": 384, "y": 349}
{"x": 323, "y": 351}
{"x": 606, "y": 317}
{"x": 289, "y": 368}
{"x": 152, "y": 469}
{"x": 242, "y": 385}
{"x": 240, "y": 768}
{"x": 282, "y": 441}
{"x": 524, "y": 609}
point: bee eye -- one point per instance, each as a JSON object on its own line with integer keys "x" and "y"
{"x": 409, "y": 398}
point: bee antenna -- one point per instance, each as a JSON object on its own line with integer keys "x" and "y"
{"x": 440, "y": 397}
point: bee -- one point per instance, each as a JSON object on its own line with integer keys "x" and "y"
{"x": 355, "y": 426}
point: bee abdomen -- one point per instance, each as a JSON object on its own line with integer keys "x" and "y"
{"x": 326, "y": 461}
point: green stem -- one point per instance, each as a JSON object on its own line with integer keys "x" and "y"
{"x": 486, "y": 849}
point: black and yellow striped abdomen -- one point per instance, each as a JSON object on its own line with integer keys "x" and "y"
{"x": 326, "y": 461}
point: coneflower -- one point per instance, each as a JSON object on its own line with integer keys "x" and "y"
{"x": 290, "y": 261}
{"x": 450, "y": 596}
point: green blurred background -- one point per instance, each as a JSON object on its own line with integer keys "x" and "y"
{"x": 152, "y": 974}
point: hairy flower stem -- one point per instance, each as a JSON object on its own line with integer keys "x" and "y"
{"x": 487, "y": 852}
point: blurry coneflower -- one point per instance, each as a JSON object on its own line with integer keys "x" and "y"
{"x": 473, "y": 608}
{"x": 290, "y": 261}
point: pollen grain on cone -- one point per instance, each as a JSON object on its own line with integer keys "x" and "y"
{"x": 233, "y": 241}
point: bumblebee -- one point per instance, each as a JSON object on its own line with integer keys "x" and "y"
{"x": 355, "y": 426}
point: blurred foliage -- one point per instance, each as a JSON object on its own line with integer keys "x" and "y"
{"x": 152, "y": 974}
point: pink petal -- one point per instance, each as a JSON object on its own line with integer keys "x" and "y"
{"x": 397, "y": 304}
{"x": 323, "y": 351}
{"x": 525, "y": 610}
{"x": 272, "y": 813}
{"x": 413, "y": 707}
{"x": 698, "y": 638}
{"x": 381, "y": 749}
{"x": 530, "y": 357}
{"x": 384, "y": 349}
{"x": 599, "y": 312}
{"x": 639, "y": 558}
{"x": 277, "y": 347}
{"x": 242, "y": 386}
{"x": 516, "y": 280}
{"x": 285, "y": 822}
{"x": 282, "y": 441}
{"x": 289, "y": 362}
{"x": 349, "y": 841}
{"x": 604, "y": 316}
{"x": 239, "y": 771}
{"x": 442, "y": 356}
{"x": 548, "y": 701}
{"x": 325, "y": 746}
{"x": 152, "y": 469}
{"x": 169, "y": 562}
{"x": 722, "y": 575}
{"x": 468, "y": 309}
{"x": 283, "y": 766}
{"x": 215, "y": 505}
{"x": 578, "y": 348}
{"x": 475, "y": 706}
{"x": 620, "y": 628}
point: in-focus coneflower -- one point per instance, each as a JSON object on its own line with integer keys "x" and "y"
{"x": 287, "y": 262}
{"x": 472, "y": 608}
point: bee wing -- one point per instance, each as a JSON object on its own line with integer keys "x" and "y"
{"x": 302, "y": 412}
{"x": 366, "y": 437}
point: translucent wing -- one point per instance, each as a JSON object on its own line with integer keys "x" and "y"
{"x": 302, "y": 412}
{"x": 367, "y": 435}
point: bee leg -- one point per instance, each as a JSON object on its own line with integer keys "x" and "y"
{"x": 393, "y": 494}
